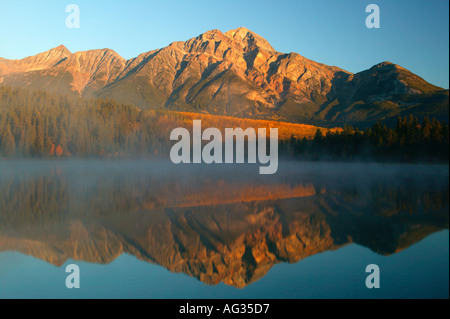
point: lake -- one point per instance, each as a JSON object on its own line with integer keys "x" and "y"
{"x": 151, "y": 229}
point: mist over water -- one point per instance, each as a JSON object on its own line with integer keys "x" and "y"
{"x": 221, "y": 224}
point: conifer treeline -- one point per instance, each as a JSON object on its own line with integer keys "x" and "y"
{"x": 408, "y": 141}
{"x": 41, "y": 124}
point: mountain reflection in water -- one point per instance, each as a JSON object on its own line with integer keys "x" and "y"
{"x": 215, "y": 223}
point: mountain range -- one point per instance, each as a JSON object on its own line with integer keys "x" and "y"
{"x": 236, "y": 73}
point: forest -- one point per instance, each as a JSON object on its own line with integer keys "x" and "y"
{"x": 41, "y": 124}
{"x": 408, "y": 141}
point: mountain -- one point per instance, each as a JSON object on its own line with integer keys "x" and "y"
{"x": 59, "y": 71}
{"x": 236, "y": 73}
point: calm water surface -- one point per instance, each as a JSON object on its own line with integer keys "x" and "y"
{"x": 140, "y": 229}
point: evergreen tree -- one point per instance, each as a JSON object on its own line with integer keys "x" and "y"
{"x": 8, "y": 145}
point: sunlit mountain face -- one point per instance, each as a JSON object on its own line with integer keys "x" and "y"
{"x": 236, "y": 73}
{"x": 215, "y": 223}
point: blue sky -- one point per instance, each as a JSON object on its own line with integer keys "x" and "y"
{"x": 413, "y": 33}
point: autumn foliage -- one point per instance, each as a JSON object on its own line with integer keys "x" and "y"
{"x": 41, "y": 124}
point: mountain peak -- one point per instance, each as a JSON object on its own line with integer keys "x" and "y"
{"x": 60, "y": 49}
{"x": 252, "y": 40}
{"x": 242, "y": 31}
{"x": 57, "y": 52}
{"x": 99, "y": 52}
{"x": 385, "y": 64}
{"x": 46, "y": 59}
{"x": 213, "y": 31}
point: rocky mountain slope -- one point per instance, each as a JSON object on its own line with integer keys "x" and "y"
{"x": 236, "y": 73}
